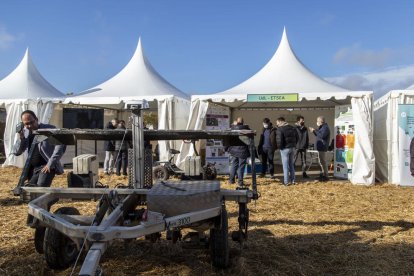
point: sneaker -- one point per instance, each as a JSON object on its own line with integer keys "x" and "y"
{"x": 305, "y": 175}
{"x": 294, "y": 183}
{"x": 106, "y": 173}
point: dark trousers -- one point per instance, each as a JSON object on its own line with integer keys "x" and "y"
{"x": 302, "y": 153}
{"x": 36, "y": 177}
{"x": 237, "y": 165}
{"x": 267, "y": 158}
{"x": 122, "y": 159}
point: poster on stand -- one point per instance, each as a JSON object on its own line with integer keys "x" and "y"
{"x": 217, "y": 118}
{"x": 406, "y": 143}
{"x": 344, "y": 136}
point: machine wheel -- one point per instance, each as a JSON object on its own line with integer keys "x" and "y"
{"x": 160, "y": 173}
{"x": 60, "y": 251}
{"x": 39, "y": 237}
{"x": 219, "y": 242}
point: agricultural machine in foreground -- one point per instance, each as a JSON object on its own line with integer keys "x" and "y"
{"x": 140, "y": 209}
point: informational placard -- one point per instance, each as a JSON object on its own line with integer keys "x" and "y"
{"x": 261, "y": 98}
{"x": 217, "y": 118}
{"x": 406, "y": 143}
{"x": 344, "y": 142}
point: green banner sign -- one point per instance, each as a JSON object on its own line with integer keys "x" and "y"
{"x": 261, "y": 98}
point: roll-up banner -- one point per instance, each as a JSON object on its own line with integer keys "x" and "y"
{"x": 344, "y": 136}
{"x": 406, "y": 143}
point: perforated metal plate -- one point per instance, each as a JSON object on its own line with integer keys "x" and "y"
{"x": 175, "y": 198}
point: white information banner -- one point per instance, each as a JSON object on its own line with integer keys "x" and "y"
{"x": 406, "y": 143}
{"x": 344, "y": 136}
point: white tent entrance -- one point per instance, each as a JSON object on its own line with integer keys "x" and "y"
{"x": 285, "y": 87}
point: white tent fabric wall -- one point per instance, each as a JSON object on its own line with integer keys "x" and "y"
{"x": 386, "y": 134}
{"x": 172, "y": 115}
{"x": 363, "y": 163}
{"x": 198, "y": 110}
{"x": 43, "y": 110}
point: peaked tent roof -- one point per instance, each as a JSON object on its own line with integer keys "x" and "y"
{"x": 26, "y": 82}
{"x": 411, "y": 87}
{"x": 284, "y": 73}
{"x": 137, "y": 80}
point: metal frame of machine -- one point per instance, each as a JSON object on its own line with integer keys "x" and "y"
{"x": 118, "y": 215}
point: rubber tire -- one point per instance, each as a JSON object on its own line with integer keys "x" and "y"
{"x": 56, "y": 245}
{"x": 219, "y": 241}
{"x": 39, "y": 237}
{"x": 160, "y": 173}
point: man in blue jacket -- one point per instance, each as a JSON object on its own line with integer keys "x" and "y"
{"x": 323, "y": 135}
{"x": 45, "y": 161}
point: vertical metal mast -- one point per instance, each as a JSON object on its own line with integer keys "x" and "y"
{"x": 138, "y": 143}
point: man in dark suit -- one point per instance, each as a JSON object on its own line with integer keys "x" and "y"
{"x": 45, "y": 159}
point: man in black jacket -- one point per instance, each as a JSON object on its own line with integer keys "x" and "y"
{"x": 286, "y": 140}
{"x": 303, "y": 143}
{"x": 267, "y": 147}
{"x": 238, "y": 156}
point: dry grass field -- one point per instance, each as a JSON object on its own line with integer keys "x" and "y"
{"x": 312, "y": 228}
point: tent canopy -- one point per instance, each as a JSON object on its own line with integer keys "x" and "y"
{"x": 25, "y": 88}
{"x": 25, "y": 82}
{"x": 285, "y": 74}
{"x": 138, "y": 80}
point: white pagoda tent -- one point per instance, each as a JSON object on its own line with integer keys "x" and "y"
{"x": 387, "y": 143}
{"x": 285, "y": 74}
{"x": 25, "y": 88}
{"x": 138, "y": 80}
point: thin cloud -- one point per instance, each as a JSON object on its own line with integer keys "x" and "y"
{"x": 355, "y": 55}
{"x": 6, "y": 39}
{"x": 393, "y": 78}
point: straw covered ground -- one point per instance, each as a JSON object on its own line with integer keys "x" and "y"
{"x": 332, "y": 228}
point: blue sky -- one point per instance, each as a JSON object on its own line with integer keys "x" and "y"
{"x": 210, "y": 46}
